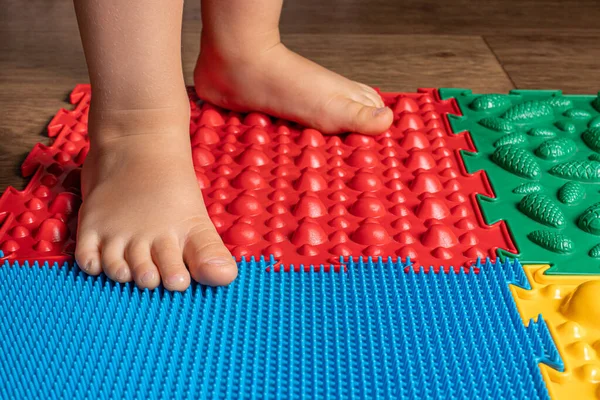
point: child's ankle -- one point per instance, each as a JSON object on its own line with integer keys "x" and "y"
{"x": 108, "y": 124}
{"x": 231, "y": 47}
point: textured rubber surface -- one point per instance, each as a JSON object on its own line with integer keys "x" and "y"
{"x": 272, "y": 187}
{"x": 371, "y": 332}
{"x": 569, "y": 304}
{"x": 540, "y": 150}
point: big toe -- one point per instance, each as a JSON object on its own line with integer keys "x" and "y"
{"x": 207, "y": 258}
{"x": 354, "y": 116}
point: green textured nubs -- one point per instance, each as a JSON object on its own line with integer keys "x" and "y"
{"x": 511, "y": 138}
{"x": 583, "y": 170}
{"x": 560, "y": 103}
{"x": 542, "y": 208}
{"x": 516, "y": 160}
{"x": 571, "y": 193}
{"x": 591, "y": 137}
{"x": 566, "y": 126}
{"x": 556, "y": 148}
{"x": 553, "y": 241}
{"x": 540, "y": 151}
{"x": 527, "y": 188}
{"x": 578, "y": 114}
{"x": 497, "y": 124}
{"x": 590, "y": 220}
{"x": 530, "y": 111}
{"x": 542, "y": 132}
{"x": 490, "y": 102}
{"x": 595, "y": 251}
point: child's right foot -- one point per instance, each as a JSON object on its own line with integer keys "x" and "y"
{"x": 143, "y": 217}
{"x": 270, "y": 78}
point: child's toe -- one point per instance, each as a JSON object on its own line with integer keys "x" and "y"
{"x": 366, "y": 99}
{"x": 167, "y": 256}
{"x": 145, "y": 273}
{"x": 113, "y": 260}
{"x": 208, "y": 259}
{"x": 372, "y": 95}
{"x": 359, "y": 117}
{"x": 87, "y": 254}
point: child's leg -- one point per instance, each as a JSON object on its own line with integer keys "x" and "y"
{"x": 143, "y": 215}
{"x": 243, "y": 66}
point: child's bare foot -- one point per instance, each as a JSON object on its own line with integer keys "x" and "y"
{"x": 279, "y": 82}
{"x": 143, "y": 216}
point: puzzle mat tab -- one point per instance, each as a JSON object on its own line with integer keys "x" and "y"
{"x": 373, "y": 332}
{"x": 541, "y": 153}
{"x": 275, "y": 188}
{"x": 569, "y": 304}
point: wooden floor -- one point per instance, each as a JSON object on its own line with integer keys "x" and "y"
{"x": 397, "y": 45}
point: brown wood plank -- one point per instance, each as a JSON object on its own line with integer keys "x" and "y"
{"x": 406, "y": 62}
{"x": 444, "y": 17}
{"x": 569, "y": 63}
{"x": 464, "y": 17}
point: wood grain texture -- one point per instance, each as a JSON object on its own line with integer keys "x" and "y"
{"x": 569, "y": 63}
{"x": 395, "y": 45}
{"x": 470, "y": 17}
{"x": 463, "y": 17}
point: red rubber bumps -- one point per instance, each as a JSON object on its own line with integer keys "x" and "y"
{"x": 274, "y": 188}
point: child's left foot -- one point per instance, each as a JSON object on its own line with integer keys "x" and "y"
{"x": 143, "y": 217}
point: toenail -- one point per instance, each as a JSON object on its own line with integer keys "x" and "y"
{"x": 90, "y": 266}
{"x": 121, "y": 274}
{"x": 147, "y": 277}
{"x": 175, "y": 279}
{"x": 378, "y": 111}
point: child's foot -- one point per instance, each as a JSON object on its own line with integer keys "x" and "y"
{"x": 279, "y": 82}
{"x": 143, "y": 217}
